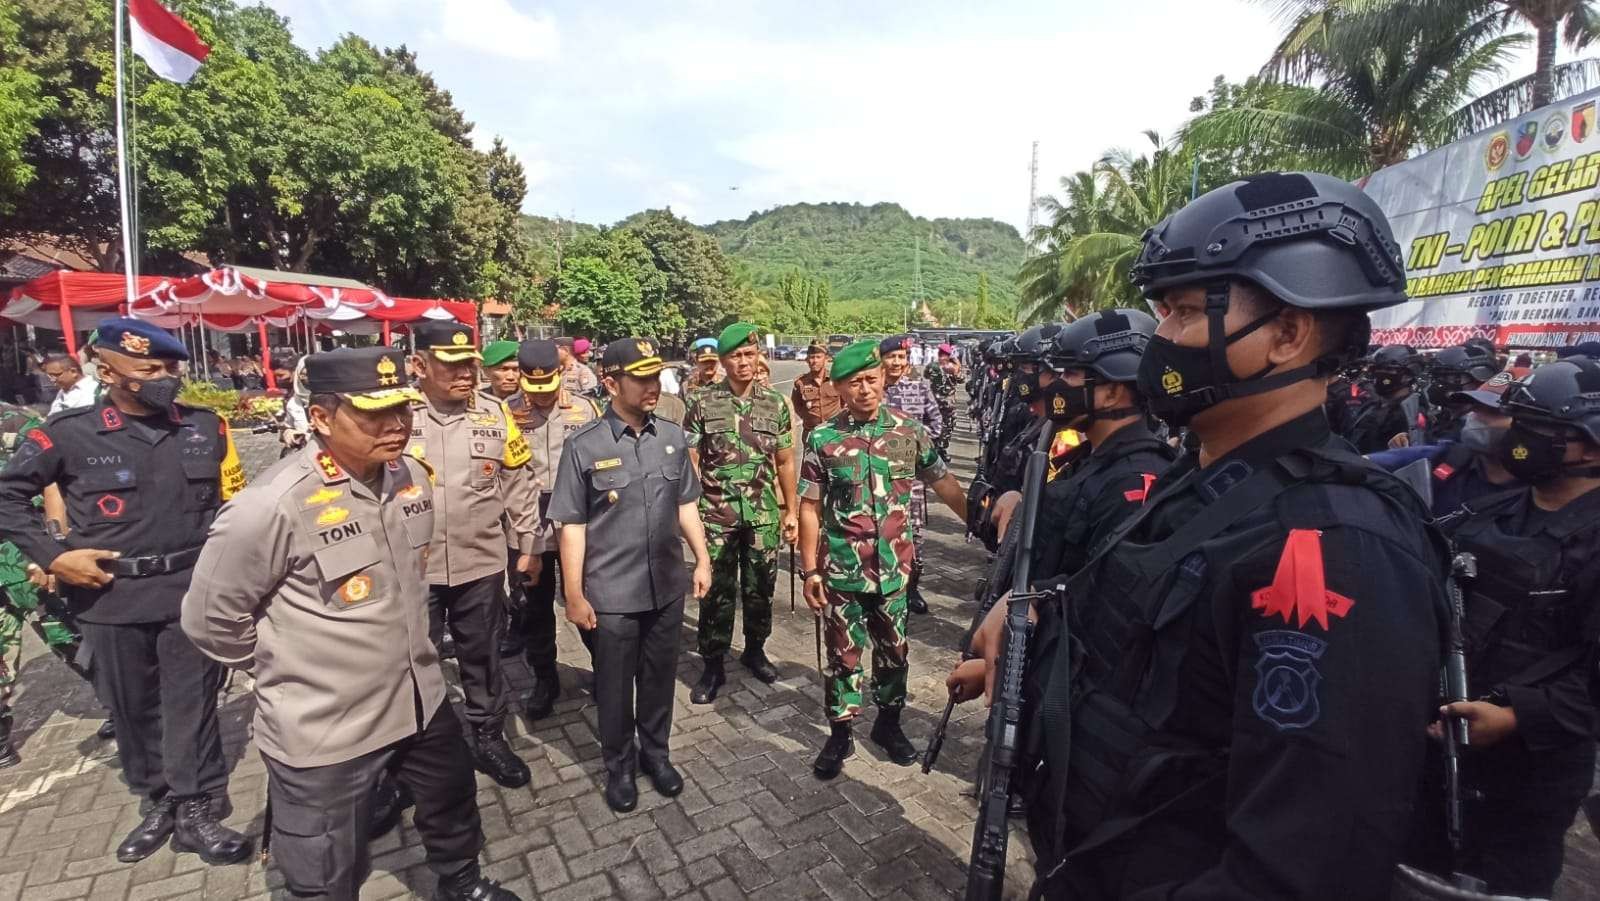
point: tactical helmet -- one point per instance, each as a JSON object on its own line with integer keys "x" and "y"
{"x": 1396, "y": 356}
{"x": 1108, "y": 344}
{"x": 1031, "y": 345}
{"x": 1310, "y": 240}
{"x": 1469, "y": 360}
{"x": 1565, "y": 392}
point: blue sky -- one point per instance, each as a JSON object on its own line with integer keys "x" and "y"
{"x": 618, "y": 106}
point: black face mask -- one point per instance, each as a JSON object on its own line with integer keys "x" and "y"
{"x": 1389, "y": 384}
{"x": 1026, "y": 383}
{"x": 1182, "y": 381}
{"x": 157, "y": 393}
{"x": 1066, "y": 404}
{"x": 1535, "y": 458}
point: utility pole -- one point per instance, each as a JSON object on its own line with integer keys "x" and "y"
{"x": 1033, "y": 198}
{"x": 916, "y": 286}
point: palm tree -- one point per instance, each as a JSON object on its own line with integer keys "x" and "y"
{"x": 1094, "y": 237}
{"x": 1356, "y": 85}
{"x": 1578, "y": 22}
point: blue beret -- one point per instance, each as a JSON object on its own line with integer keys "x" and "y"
{"x": 140, "y": 340}
{"x": 893, "y": 343}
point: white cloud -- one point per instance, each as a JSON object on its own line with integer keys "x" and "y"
{"x": 497, "y": 28}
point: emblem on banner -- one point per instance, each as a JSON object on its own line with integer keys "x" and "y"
{"x": 1582, "y": 122}
{"x": 1527, "y": 136}
{"x": 1555, "y": 132}
{"x": 1499, "y": 148}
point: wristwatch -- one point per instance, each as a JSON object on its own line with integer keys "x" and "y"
{"x": 810, "y": 574}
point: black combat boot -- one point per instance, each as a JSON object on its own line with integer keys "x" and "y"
{"x": 711, "y": 680}
{"x": 107, "y": 730}
{"x": 199, "y": 831}
{"x": 755, "y": 660}
{"x": 886, "y": 734}
{"x": 493, "y": 757}
{"x": 840, "y": 747}
{"x": 914, "y": 600}
{"x": 8, "y": 752}
{"x": 546, "y": 690}
{"x": 469, "y": 885}
{"x": 151, "y": 833}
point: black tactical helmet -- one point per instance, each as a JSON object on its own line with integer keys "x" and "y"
{"x": 1395, "y": 356}
{"x": 1005, "y": 347}
{"x": 1308, "y": 239}
{"x": 1032, "y": 344}
{"x": 1565, "y": 391}
{"x": 1108, "y": 344}
{"x": 1470, "y": 360}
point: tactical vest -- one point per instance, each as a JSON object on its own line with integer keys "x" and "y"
{"x": 1524, "y": 621}
{"x": 1097, "y": 717}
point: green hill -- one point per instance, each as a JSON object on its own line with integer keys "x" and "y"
{"x": 868, "y": 252}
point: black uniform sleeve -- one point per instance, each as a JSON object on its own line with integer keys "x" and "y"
{"x": 1118, "y": 498}
{"x": 1561, "y": 710}
{"x": 35, "y": 464}
{"x": 1333, "y": 691}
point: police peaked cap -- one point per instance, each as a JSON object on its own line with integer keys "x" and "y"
{"x": 1311, "y": 240}
{"x": 370, "y": 378}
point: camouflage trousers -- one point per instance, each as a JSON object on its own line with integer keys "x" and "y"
{"x": 941, "y": 441}
{"x": 744, "y": 568}
{"x": 852, "y": 620}
{"x": 59, "y": 636}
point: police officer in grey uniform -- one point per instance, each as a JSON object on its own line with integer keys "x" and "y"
{"x": 625, "y": 494}
{"x": 314, "y": 580}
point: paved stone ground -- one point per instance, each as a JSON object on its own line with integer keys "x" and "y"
{"x": 752, "y": 821}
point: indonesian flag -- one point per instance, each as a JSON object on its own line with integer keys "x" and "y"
{"x": 165, "y": 41}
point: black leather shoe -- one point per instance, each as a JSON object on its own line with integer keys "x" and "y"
{"x": 711, "y": 680}
{"x": 495, "y": 758}
{"x": 755, "y": 660}
{"x": 915, "y": 602}
{"x": 664, "y": 777}
{"x": 622, "y": 792}
{"x": 199, "y": 831}
{"x": 886, "y": 734}
{"x": 151, "y": 833}
{"x": 840, "y": 747}
{"x": 8, "y": 752}
{"x": 472, "y": 888}
{"x": 546, "y": 690}
{"x": 107, "y": 730}
{"x": 512, "y": 644}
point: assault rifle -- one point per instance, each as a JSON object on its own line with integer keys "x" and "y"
{"x": 1462, "y": 566}
{"x": 986, "y": 872}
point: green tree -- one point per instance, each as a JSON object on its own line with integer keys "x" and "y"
{"x": 1578, "y": 23}
{"x": 21, "y": 104}
{"x": 700, "y": 287}
{"x": 1356, "y": 85}
{"x": 597, "y": 300}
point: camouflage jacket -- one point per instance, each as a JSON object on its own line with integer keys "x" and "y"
{"x": 15, "y": 421}
{"x": 942, "y": 383}
{"x": 738, "y": 439}
{"x": 862, "y": 473}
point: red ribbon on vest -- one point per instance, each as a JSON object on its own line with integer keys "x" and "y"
{"x": 1137, "y": 495}
{"x": 1299, "y": 587}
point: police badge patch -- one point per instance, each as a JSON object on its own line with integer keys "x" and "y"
{"x": 1287, "y": 678}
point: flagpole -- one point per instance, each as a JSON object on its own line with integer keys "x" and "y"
{"x": 122, "y": 160}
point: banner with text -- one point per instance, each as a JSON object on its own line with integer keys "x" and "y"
{"x": 1500, "y": 233}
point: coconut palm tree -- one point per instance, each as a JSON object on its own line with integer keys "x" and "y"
{"x": 1356, "y": 85}
{"x": 1575, "y": 21}
{"x": 1093, "y": 238}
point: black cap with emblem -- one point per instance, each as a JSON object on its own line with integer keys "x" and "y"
{"x": 540, "y": 363}
{"x": 449, "y": 341}
{"x": 631, "y": 356}
{"x": 370, "y": 378}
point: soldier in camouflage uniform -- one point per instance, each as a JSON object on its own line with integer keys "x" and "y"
{"x": 855, "y": 490}
{"x": 943, "y": 375}
{"x": 23, "y": 602}
{"x": 914, "y": 399}
{"x": 741, "y": 440}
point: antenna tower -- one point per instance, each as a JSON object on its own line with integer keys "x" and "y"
{"x": 1033, "y": 197}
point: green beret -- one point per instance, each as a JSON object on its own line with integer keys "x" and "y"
{"x": 735, "y": 336}
{"x": 854, "y": 358}
{"x": 497, "y": 352}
